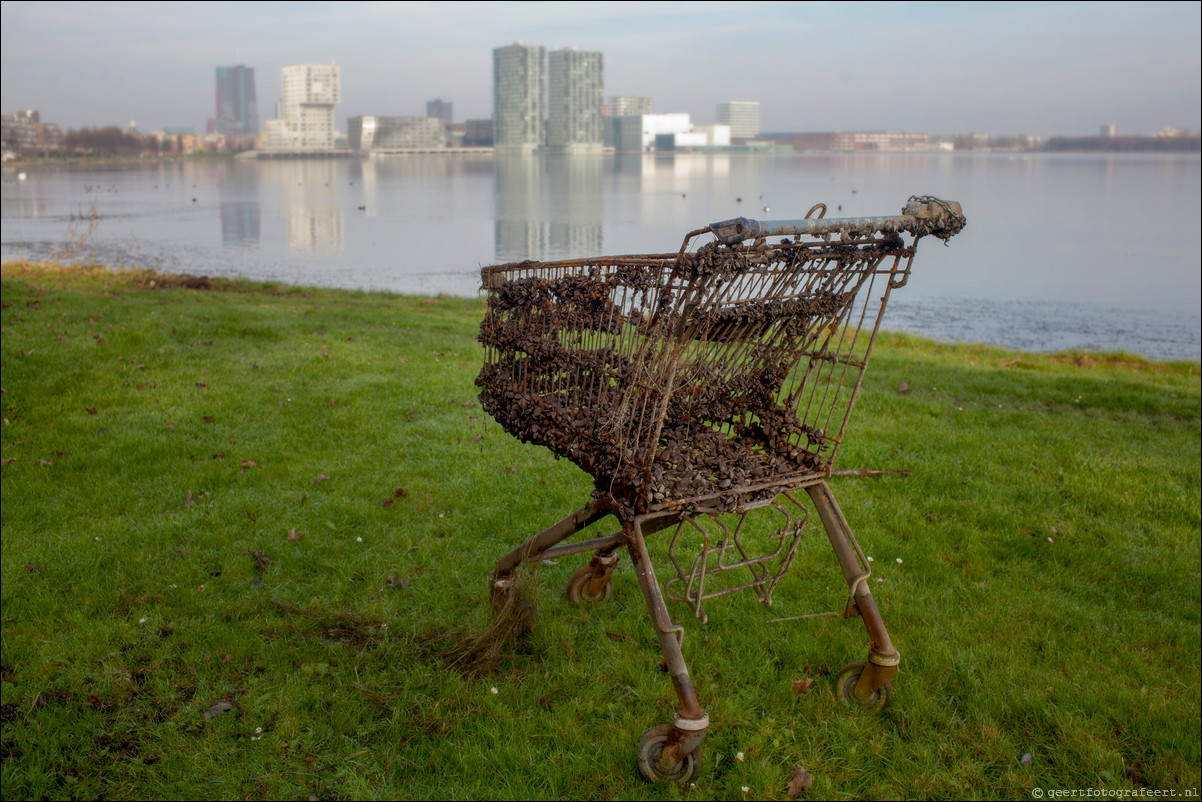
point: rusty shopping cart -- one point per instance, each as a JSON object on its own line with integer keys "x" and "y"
{"x": 697, "y": 389}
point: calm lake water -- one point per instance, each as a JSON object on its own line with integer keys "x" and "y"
{"x": 1099, "y": 252}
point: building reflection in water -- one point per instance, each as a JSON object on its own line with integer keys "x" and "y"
{"x": 547, "y": 207}
{"x": 311, "y": 191}
{"x": 20, "y": 206}
{"x": 238, "y": 191}
{"x": 574, "y": 184}
{"x": 239, "y": 222}
{"x": 518, "y": 211}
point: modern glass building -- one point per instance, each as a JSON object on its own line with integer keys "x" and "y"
{"x": 237, "y": 106}
{"x": 369, "y": 133}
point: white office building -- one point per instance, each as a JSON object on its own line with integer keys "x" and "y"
{"x": 638, "y": 132}
{"x": 305, "y": 116}
{"x": 574, "y": 100}
{"x": 743, "y": 117}
{"x": 519, "y": 98}
{"x": 627, "y": 106}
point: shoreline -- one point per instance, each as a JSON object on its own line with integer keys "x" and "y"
{"x": 259, "y": 155}
{"x": 20, "y": 269}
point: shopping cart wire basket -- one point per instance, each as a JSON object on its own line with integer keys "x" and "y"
{"x": 698, "y": 388}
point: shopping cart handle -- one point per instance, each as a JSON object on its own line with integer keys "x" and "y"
{"x": 946, "y": 215}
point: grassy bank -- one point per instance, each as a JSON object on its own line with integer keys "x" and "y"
{"x": 236, "y": 517}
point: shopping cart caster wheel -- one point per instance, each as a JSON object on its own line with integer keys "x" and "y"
{"x": 577, "y": 588}
{"x": 845, "y": 686}
{"x": 650, "y": 749}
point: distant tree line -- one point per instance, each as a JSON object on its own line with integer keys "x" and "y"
{"x": 1118, "y": 143}
{"x": 108, "y": 141}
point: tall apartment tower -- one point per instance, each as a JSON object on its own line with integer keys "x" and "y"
{"x": 574, "y": 100}
{"x": 519, "y": 98}
{"x": 743, "y": 117}
{"x": 237, "y": 107}
{"x": 308, "y": 94}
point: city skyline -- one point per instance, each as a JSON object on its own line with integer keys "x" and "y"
{"x": 1039, "y": 69}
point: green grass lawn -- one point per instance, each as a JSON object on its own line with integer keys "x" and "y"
{"x": 236, "y": 522}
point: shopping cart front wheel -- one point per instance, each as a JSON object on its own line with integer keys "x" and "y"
{"x": 845, "y": 686}
{"x": 582, "y": 587}
{"x": 651, "y": 750}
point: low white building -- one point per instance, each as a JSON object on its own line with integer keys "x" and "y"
{"x": 638, "y": 132}
{"x": 370, "y": 133}
{"x": 715, "y": 135}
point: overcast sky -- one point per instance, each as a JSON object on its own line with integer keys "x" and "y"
{"x": 939, "y": 68}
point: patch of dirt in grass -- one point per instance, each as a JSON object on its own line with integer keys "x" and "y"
{"x": 357, "y": 630}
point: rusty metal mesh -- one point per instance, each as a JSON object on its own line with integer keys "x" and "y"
{"x": 698, "y": 380}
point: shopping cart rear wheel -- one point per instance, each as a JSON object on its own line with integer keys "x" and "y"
{"x": 845, "y": 686}
{"x": 649, "y": 751}
{"x": 577, "y": 588}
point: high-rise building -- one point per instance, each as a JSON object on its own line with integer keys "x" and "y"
{"x": 743, "y": 117}
{"x": 443, "y": 110}
{"x": 574, "y": 83}
{"x": 305, "y": 120}
{"x": 519, "y": 97}
{"x": 237, "y": 106}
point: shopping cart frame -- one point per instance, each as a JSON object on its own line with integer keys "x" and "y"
{"x": 623, "y": 364}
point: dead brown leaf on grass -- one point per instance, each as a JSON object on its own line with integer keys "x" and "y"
{"x": 296, "y": 534}
{"x": 802, "y": 685}
{"x": 801, "y": 780}
{"x": 246, "y": 463}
